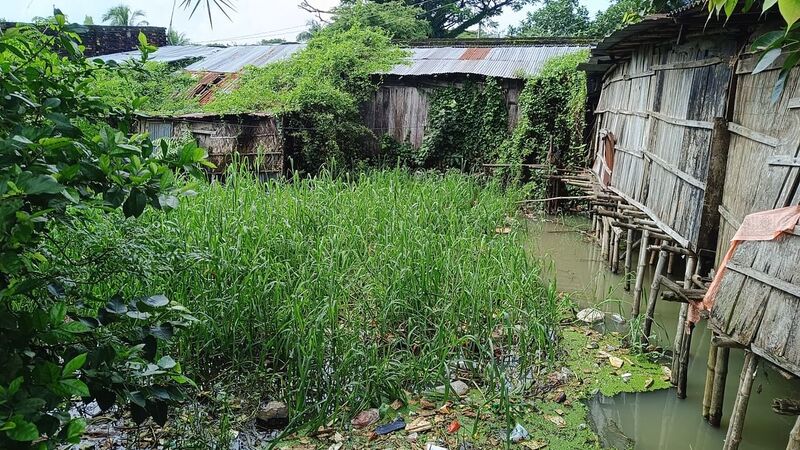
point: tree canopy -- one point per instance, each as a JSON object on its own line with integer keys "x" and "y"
{"x": 399, "y": 20}
{"x": 555, "y": 18}
{"x": 123, "y": 15}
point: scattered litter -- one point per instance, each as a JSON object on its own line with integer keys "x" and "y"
{"x": 591, "y": 315}
{"x": 390, "y": 427}
{"x": 561, "y": 398}
{"x": 615, "y": 362}
{"x": 534, "y": 445}
{"x": 618, "y": 319}
{"x": 425, "y": 404}
{"x": 397, "y": 404}
{"x": 336, "y": 446}
{"x": 519, "y": 433}
{"x": 611, "y": 348}
{"x": 365, "y": 418}
{"x": 466, "y": 446}
{"x": 626, "y": 377}
{"x": 459, "y": 387}
{"x": 560, "y": 412}
{"x": 648, "y": 383}
{"x": 453, "y": 427}
{"x": 412, "y": 437}
{"x": 591, "y": 345}
{"x": 432, "y": 446}
{"x": 502, "y": 230}
{"x": 557, "y": 421}
{"x": 667, "y": 373}
{"x": 419, "y": 425}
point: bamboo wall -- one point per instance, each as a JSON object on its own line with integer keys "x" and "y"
{"x": 763, "y": 170}
{"x": 400, "y": 106}
{"x": 660, "y": 106}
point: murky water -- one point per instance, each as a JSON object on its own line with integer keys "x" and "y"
{"x": 658, "y": 420}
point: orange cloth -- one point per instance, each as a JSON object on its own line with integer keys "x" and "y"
{"x": 760, "y": 226}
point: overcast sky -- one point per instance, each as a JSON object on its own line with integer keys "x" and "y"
{"x": 252, "y": 21}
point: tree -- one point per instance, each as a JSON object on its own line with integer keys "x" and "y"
{"x": 397, "y": 19}
{"x": 447, "y": 18}
{"x": 122, "y": 15}
{"x": 176, "y": 38}
{"x": 618, "y": 14}
{"x": 88, "y": 20}
{"x": 555, "y": 18}
{"x": 273, "y": 41}
{"x": 59, "y": 158}
{"x": 313, "y": 28}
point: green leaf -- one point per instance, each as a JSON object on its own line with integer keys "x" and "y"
{"x": 75, "y": 430}
{"x": 74, "y": 387}
{"x": 790, "y": 10}
{"x": 766, "y": 60}
{"x": 38, "y": 184}
{"x": 768, "y": 4}
{"x": 76, "y": 327}
{"x": 73, "y": 365}
{"x": 155, "y": 301}
{"x": 780, "y": 85}
{"x": 116, "y": 306}
{"x": 57, "y": 314}
{"x": 134, "y": 205}
{"x": 14, "y": 386}
{"x": 29, "y": 406}
{"x": 166, "y": 362}
{"x": 23, "y": 430}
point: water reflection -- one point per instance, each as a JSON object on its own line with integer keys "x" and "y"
{"x": 656, "y": 420}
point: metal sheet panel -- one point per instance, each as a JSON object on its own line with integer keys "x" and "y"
{"x": 169, "y": 53}
{"x": 234, "y": 59}
{"x": 159, "y": 129}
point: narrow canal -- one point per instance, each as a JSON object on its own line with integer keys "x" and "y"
{"x": 656, "y": 420}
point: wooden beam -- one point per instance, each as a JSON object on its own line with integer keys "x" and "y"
{"x": 675, "y": 171}
{"x": 667, "y": 229}
{"x": 691, "y": 64}
{"x": 767, "y": 279}
{"x": 729, "y": 217}
{"x": 783, "y": 160}
{"x": 753, "y": 135}
{"x": 682, "y": 122}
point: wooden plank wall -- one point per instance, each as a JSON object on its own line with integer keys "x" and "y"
{"x": 660, "y": 106}
{"x": 758, "y": 303}
{"x": 400, "y": 107}
{"x": 764, "y": 156}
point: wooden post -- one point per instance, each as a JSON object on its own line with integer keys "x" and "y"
{"x": 628, "y": 258}
{"x": 655, "y": 287}
{"x": 734, "y": 436}
{"x": 683, "y": 367}
{"x": 670, "y": 263}
{"x": 794, "y": 436}
{"x": 604, "y": 243}
{"x": 691, "y": 263}
{"x": 718, "y": 392}
{"x": 711, "y": 365}
{"x": 637, "y": 289}
{"x": 615, "y": 250}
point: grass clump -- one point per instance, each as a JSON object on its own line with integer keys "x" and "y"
{"x": 338, "y": 294}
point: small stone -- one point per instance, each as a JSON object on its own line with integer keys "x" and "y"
{"x": 582, "y": 426}
{"x": 273, "y": 416}
{"x": 412, "y": 437}
{"x": 458, "y": 387}
{"x": 591, "y": 315}
{"x": 366, "y": 418}
{"x": 626, "y": 377}
{"x": 615, "y": 362}
{"x": 618, "y": 319}
{"x": 611, "y": 348}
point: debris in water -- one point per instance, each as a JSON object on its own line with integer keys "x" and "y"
{"x": 591, "y": 315}
{"x": 519, "y": 433}
{"x": 365, "y": 418}
{"x": 273, "y": 416}
{"x": 390, "y": 427}
{"x": 615, "y": 362}
{"x": 626, "y": 377}
{"x": 459, "y": 387}
{"x": 453, "y": 427}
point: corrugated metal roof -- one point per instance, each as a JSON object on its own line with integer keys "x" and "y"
{"x": 234, "y": 59}
{"x": 502, "y": 62}
{"x": 169, "y": 53}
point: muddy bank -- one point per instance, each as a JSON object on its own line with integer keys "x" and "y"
{"x": 656, "y": 420}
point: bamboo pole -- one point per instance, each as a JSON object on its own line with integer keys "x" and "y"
{"x": 711, "y": 364}
{"x": 637, "y": 289}
{"x": 718, "y": 392}
{"x": 604, "y": 243}
{"x": 691, "y": 263}
{"x": 734, "y": 436}
{"x": 628, "y": 259}
{"x": 683, "y": 367}
{"x": 670, "y": 263}
{"x": 655, "y": 287}
{"x": 615, "y": 251}
{"x": 794, "y": 436}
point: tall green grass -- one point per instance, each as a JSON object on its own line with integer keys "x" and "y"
{"x": 338, "y": 293}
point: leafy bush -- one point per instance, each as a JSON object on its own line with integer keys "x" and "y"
{"x": 398, "y": 20}
{"x": 56, "y": 344}
{"x": 318, "y": 92}
{"x": 465, "y": 124}
{"x": 552, "y": 114}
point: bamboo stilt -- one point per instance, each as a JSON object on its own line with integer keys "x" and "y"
{"x": 718, "y": 392}
{"x": 628, "y": 259}
{"x": 653, "y": 257}
{"x": 670, "y": 263}
{"x": 794, "y": 436}
{"x": 655, "y": 287}
{"x": 637, "y": 289}
{"x": 604, "y": 243}
{"x": 734, "y": 436}
{"x": 615, "y": 252}
{"x": 683, "y": 367}
{"x": 711, "y": 364}
{"x": 691, "y": 263}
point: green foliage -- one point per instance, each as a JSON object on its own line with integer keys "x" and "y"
{"x": 552, "y": 115}
{"x": 349, "y": 291}
{"x": 395, "y": 18}
{"x": 465, "y": 124}
{"x": 176, "y": 38}
{"x": 318, "y": 92}
{"x": 156, "y": 87}
{"x": 56, "y": 344}
{"x": 123, "y": 15}
{"x": 555, "y": 18}
{"x": 617, "y": 15}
